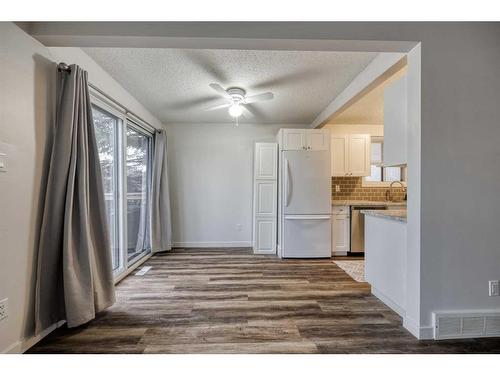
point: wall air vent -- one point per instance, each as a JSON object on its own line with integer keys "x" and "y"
{"x": 455, "y": 325}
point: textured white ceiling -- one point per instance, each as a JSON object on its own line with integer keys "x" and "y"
{"x": 173, "y": 83}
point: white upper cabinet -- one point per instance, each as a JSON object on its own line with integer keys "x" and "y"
{"x": 304, "y": 139}
{"x": 395, "y": 123}
{"x": 358, "y": 160}
{"x": 339, "y": 155}
{"x": 294, "y": 139}
{"x": 351, "y": 155}
{"x": 318, "y": 139}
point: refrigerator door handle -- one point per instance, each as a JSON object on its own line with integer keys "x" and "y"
{"x": 307, "y": 217}
{"x": 288, "y": 183}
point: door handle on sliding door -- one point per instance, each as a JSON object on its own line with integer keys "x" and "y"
{"x": 288, "y": 183}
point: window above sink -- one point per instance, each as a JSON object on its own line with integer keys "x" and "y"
{"x": 382, "y": 176}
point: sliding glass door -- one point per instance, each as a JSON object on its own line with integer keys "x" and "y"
{"x": 106, "y": 127}
{"x": 138, "y": 167}
{"x": 125, "y": 153}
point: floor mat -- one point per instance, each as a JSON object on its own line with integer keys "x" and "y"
{"x": 354, "y": 268}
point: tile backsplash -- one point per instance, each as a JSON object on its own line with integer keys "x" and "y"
{"x": 351, "y": 189}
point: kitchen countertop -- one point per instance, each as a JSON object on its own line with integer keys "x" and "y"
{"x": 397, "y": 215}
{"x": 366, "y": 203}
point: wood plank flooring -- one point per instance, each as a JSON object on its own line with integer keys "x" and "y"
{"x": 231, "y": 301}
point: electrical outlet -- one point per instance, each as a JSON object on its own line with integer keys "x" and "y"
{"x": 337, "y": 188}
{"x": 4, "y": 311}
{"x": 238, "y": 227}
{"x": 493, "y": 287}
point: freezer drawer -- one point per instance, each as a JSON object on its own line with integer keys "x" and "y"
{"x": 307, "y": 236}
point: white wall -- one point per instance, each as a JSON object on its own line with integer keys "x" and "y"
{"x": 373, "y": 130}
{"x": 27, "y": 90}
{"x": 211, "y": 171}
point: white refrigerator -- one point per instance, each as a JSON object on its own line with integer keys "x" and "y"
{"x": 304, "y": 204}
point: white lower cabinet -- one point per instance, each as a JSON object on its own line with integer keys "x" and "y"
{"x": 340, "y": 232}
{"x": 265, "y": 235}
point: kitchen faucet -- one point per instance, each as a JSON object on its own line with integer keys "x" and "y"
{"x": 390, "y": 191}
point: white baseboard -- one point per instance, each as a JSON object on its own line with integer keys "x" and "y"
{"x": 421, "y": 333}
{"x": 213, "y": 244}
{"x": 264, "y": 252}
{"x": 389, "y": 302}
{"x": 339, "y": 253}
{"x": 22, "y": 346}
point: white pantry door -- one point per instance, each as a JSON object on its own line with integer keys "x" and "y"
{"x": 265, "y": 195}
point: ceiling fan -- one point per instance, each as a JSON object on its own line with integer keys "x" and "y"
{"x": 237, "y": 99}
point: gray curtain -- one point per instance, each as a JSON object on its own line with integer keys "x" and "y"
{"x": 74, "y": 274}
{"x": 161, "y": 223}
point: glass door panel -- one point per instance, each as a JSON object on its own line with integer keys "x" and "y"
{"x": 138, "y": 170}
{"x": 106, "y": 132}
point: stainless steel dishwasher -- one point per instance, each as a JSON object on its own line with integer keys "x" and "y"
{"x": 358, "y": 227}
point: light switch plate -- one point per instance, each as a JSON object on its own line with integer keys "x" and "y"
{"x": 3, "y": 162}
{"x": 493, "y": 288}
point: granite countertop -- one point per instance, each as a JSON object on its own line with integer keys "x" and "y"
{"x": 366, "y": 203}
{"x": 397, "y": 215}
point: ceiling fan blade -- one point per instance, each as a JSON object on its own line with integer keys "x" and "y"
{"x": 185, "y": 104}
{"x": 250, "y": 109}
{"x": 218, "y": 107}
{"x": 259, "y": 97}
{"x": 247, "y": 111}
{"x": 220, "y": 90}
{"x": 205, "y": 62}
{"x": 290, "y": 79}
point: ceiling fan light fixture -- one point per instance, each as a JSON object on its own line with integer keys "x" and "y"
{"x": 235, "y": 110}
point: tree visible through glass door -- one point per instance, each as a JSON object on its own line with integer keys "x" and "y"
{"x": 138, "y": 169}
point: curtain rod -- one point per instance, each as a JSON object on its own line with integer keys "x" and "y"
{"x": 63, "y": 67}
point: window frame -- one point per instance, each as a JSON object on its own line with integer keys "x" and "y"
{"x": 404, "y": 174}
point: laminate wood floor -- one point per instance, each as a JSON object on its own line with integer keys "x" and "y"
{"x": 231, "y": 301}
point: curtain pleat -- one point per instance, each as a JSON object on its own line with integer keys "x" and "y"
{"x": 74, "y": 273}
{"x": 161, "y": 222}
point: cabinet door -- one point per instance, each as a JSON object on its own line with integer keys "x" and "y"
{"x": 395, "y": 123}
{"x": 266, "y": 157}
{"x": 318, "y": 139}
{"x": 358, "y": 158}
{"x": 340, "y": 234}
{"x": 265, "y": 198}
{"x": 294, "y": 139}
{"x": 264, "y": 241}
{"x": 339, "y": 155}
